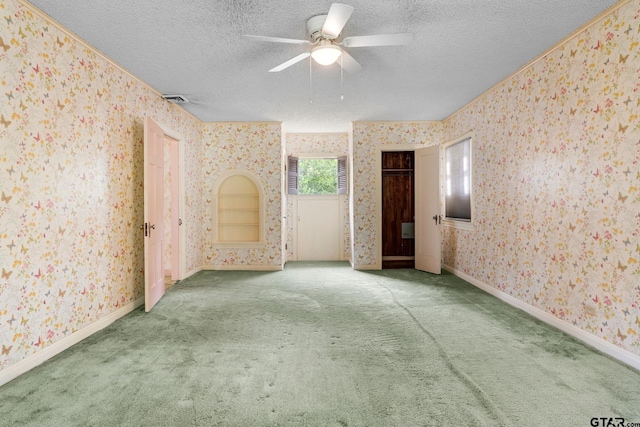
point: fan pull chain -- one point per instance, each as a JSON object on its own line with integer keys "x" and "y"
{"x": 310, "y": 81}
{"x": 341, "y": 77}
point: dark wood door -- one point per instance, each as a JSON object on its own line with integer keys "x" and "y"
{"x": 397, "y": 209}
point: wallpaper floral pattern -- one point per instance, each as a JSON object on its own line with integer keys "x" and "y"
{"x": 557, "y": 182}
{"x": 253, "y": 147}
{"x": 71, "y": 129}
{"x": 316, "y": 143}
{"x": 331, "y": 143}
{"x": 367, "y": 137}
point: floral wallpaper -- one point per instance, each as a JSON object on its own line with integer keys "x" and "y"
{"x": 367, "y": 137}
{"x": 316, "y": 143}
{"x": 257, "y": 148}
{"x": 556, "y": 182}
{"x": 331, "y": 143}
{"x": 556, "y": 166}
{"x": 71, "y": 130}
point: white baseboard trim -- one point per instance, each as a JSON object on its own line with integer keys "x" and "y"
{"x": 598, "y": 343}
{"x": 57, "y": 347}
{"x": 244, "y": 267}
{"x": 191, "y": 273}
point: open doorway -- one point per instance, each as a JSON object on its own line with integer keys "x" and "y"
{"x": 398, "y": 209}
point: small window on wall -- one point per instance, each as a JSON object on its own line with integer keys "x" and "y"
{"x": 317, "y": 176}
{"x": 457, "y": 175}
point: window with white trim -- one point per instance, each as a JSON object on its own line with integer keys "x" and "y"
{"x": 457, "y": 175}
{"x": 317, "y": 175}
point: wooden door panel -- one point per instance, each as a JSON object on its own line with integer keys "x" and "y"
{"x": 397, "y": 160}
{"x": 397, "y": 208}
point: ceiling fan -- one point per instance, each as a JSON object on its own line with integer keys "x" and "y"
{"x": 324, "y": 32}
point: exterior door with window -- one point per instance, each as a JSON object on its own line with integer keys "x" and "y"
{"x": 318, "y": 222}
{"x": 427, "y": 204}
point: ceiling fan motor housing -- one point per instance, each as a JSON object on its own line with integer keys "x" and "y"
{"x": 325, "y": 35}
{"x": 314, "y": 28}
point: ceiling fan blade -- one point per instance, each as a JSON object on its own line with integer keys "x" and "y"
{"x": 338, "y": 16}
{"x": 278, "y": 40}
{"x": 290, "y": 62}
{"x": 378, "y": 40}
{"x": 349, "y": 64}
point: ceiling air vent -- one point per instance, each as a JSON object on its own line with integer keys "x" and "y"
{"x": 176, "y": 99}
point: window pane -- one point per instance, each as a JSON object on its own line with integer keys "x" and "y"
{"x": 317, "y": 176}
{"x": 458, "y": 180}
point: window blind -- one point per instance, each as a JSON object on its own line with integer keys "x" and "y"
{"x": 342, "y": 175}
{"x": 458, "y": 180}
{"x": 292, "y": 175}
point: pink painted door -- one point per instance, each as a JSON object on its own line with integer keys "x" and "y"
{"x": 427, "y": 227}
{"x": 153, "y": 213}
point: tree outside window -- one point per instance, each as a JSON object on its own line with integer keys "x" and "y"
{"x": 317, "y": 176}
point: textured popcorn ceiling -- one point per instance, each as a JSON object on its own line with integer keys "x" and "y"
{"x": 195, "y": 48}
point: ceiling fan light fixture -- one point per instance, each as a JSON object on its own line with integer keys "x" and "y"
{"x": 326, "y": 54}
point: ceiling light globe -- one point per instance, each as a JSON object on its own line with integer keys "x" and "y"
{"x": 326, "y": 54}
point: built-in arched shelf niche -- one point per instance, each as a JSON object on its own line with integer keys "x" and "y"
{"x": 238, "y": 210}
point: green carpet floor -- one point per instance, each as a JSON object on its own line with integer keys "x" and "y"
{"x": 319, "y": 344}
